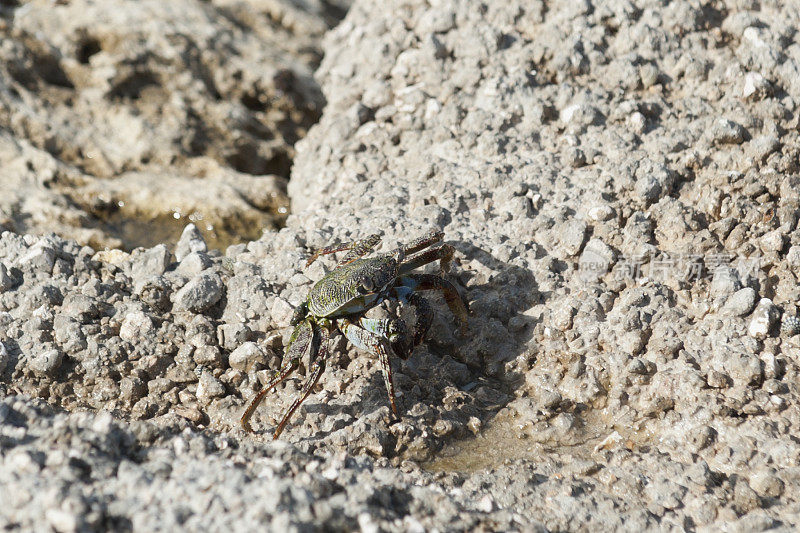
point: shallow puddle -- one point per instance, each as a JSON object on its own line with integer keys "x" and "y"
{"x": 504, "y": 440}
{"x": 139, "y": 232}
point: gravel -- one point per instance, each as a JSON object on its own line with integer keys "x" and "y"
{"x": 618, "y": 181}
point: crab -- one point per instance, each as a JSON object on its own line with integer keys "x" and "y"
{"x": 338, "y": 302}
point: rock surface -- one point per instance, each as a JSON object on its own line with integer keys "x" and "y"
{"x": 117, "y": 116}
{"x": 619, "y": 181}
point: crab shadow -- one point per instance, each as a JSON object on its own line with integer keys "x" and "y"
{"x": 450, "y": 381}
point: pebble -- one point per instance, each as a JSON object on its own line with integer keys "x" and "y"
{"x": 208, "y": 388}
{"x": 136, "y": 326}
{"x": 6, "y": 282}
{"x": 200, "y": 293}
{"x": 726, "y": 131}
{"x": 46, "y": 363}
{"x": 191, "y": 241}
{"x": 245, "y": 356}
{"x": 764, "y": 317}
{"x": 740, "y": 303}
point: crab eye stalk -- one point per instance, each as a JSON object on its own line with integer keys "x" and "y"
{"x": 366, "y": 286}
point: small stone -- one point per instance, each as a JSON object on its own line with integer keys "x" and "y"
{"x": 281, "y": 311}
{"x": 744, "y": 368}
{"x": 245, "y": 356}
{"x": 638, "y": 122}
{"x": 39, "y": 257}
{"x": 5, "y": 358}
{"x": 767, "y": 484}
{"x": 755, "y": 86}
{"x": 132, "y": 389}
{"x": 191, "y": 241}
{"x": 571, "y": 237}
{"x": 717, "y": 380}
{"x": 200, "y": 293}
{"x": 790, "y": 325}
{"x": 230, "y": 336}
{"x": 648, "y": 73}
{"x": 745, "y": 498}
{"x": 193, "y": 264}
{"x": 596, "y": 260}
{"x": 62, "y": 521}
{"x": 46, "y": 363}
{"x": 772, "y": 241}
{"x": 601, "y": 212}
{"x": 653, "y": 182}
{"x": 209, "y": 388}
{"x": 740, "y": 303}
{"x": 136, "y": 326}
{"x": 486, "y": 504}
{"x": 793, "y": 258}
{"x": 725, "y": 281}
{"x": 764, "y": 317}
{"x": 6, "y": 282}
{"x": 727, "y": 132}
{"x": 578, "y": 116}
{"x": 152, "y": 262}
{"x": 208, "y": 355}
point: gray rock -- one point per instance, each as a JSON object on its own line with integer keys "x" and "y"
{"x": 191, "y": 241}
{"x": 727, "y": 132}
{"x": 596, "y": 260}
{"x": 152, "y": 262}
{"x": 764, "y": 318}
{"x": 200, "y": 293}
{"x": 5, "y": 358}
{"x": 740, "y": 303}
{"x": 136, "y": 327}
{"x": 193, "y": 263}
{"x": 6, "y": 282}
{"x": 245, "y": 356}
{"x": 209, "y": 388}
{"x": 46, "y": 362}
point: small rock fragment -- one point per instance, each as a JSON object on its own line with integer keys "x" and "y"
{"x": 767, "y": 484}
{"x": 727, "y": 132}
{"x": 136, "y": 326}
{"x": 47, "y": 362}
{"x": 200, "y": 293}
{"x": 5, "y": 358}
{"x": 764, "y": 317}
{"x": 740, "y": 303}
{"x": 152, "y": 262}
{"x": 191, "y": 241}
{"x": 596, "y": 260}
{"x": 245, "y": 356}
{"x": 6, "y": 282}
{"x": 209, "y": 388}
{"x": 772, "y": 241}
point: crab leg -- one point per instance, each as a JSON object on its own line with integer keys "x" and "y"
{"x": 282, "y": 374}
{"x": 427, "y": 282}
{"x": 376, "y": 345}
{"x": 357, "y": 249}
{"x": 443, "y": 253}
{"x": 303, "y": 340}
{"x": 392, "y": 329}
{"x": 422, "y": 309}
{"x": 316, "y": 370}
{"x": 423, "y": 242}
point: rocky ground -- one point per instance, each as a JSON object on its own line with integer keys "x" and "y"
{"x": 619, "y": 180}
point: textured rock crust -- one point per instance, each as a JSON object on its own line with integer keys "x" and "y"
{"x": 115, "y": 113}
{"x": 619, "y": 180}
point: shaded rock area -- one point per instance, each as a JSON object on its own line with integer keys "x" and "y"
{"x": 619, "y": 181}
{"x": 117, "y": 116}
